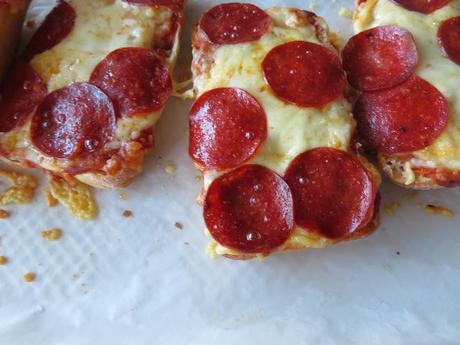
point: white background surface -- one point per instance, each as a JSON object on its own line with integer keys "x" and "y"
{"x": 150, "y": 283}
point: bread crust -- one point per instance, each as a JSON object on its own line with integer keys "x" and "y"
{"x": 11, "y": 19}
{"x": 202, "y": 62}
{"x": 126, "y": 164}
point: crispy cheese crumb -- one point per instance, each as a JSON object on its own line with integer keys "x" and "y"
{"x": 4, "y": 214}
{"x": 346, "y": 13}
{"x": 29, "y": 277}
{"x": 170, "y": 167}
{"x": 3, "y": 260}
{"x": 439, "y": 210}
{"x": 391, "y": 207}
{"x": 22, "y": 188}
{"x": 178, "y": 225}
{"x": 313, "y": 6}
{"x": 52, "y": 234}
{"x": 51, "y": 201}
{"x": 124, "y": 196}
{"x": 75, "y": 196}
{"x": 128, "y": 214}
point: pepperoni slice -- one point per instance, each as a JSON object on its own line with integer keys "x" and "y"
{"x": 304, "y": 73}
{"x": 406, "y": 118}
{"x": 136, "y": 79}
{"x": 235, "y": 23}
{"x": 449, "y": 38}
{"x": 333, "y": 192}
{"x": 22, "y": 92}
{"x": 73, "y": 122}
{"x": 57, "y": 26}
{"x": 249, "y": 209}
{"x": 174, "y": 4}
{"x": 227, "y": 126}
{"x": 380, "y": 58}
{"x": 422, "y": 6}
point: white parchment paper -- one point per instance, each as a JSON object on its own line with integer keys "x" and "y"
{"x": 141, "y": 280}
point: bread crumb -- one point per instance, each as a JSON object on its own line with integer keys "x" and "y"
{"x": 75, "y": 196}
{"x": 51, "y": 201}
{"x": 52, "y": 234}
{"x": 124, "y": 196}
{"x": 3, "y": 260}
{"x": 170, "y": 167}
{"x": 391, "y": 207}
{"x": 128, "y": 213}
{"x": 346, "y": 13}
{"x": 439, "y": 210}
{"x": 29, "y": 277}
{"x": 22, "y": 188}
{"x": 198, "y": 178}
{"x": 4, "y": 214}
{"x": 313, "y": 6}
{"x": 179, "y": 225}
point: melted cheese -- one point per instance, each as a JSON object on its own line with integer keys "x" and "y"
{"x": 433, "y": 66}
{"x": 291, "y": 129}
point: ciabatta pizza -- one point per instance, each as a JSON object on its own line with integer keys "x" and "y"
{"x": 11, "y": 17}
{"x": 405, "y": 60}
{"x": 89, "y": 88}
{"x": 272, "y": 133}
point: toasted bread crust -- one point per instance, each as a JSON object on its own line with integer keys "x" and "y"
{"x": 11, "y": 19}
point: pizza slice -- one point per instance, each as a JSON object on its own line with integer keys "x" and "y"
{"x": 272, "y": 134}
{"x": 12, "y": 14}
{"x": 405, "y": 60}
{"x": 90, "y": 86}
